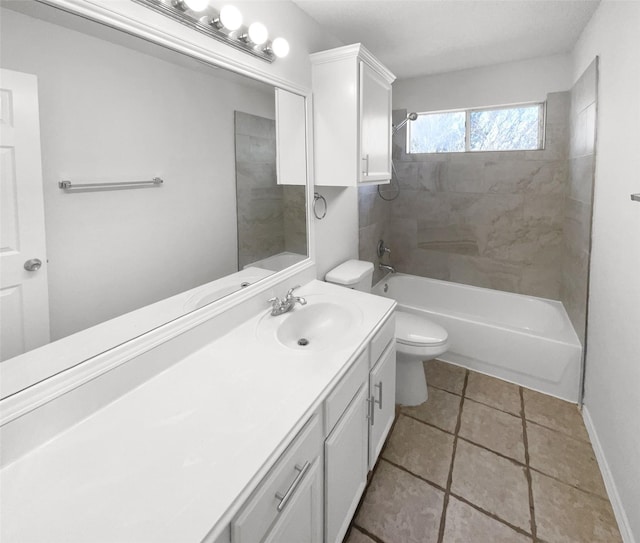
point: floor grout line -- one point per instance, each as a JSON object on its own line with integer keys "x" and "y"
{"x": 527, "y": 470}
{"x": 515, "y": 461}
{"x": 409, "y": 472}
{"x": 447, "y": 493}
{"x": 364, "y": 531}
{"x": 491, "y": 515}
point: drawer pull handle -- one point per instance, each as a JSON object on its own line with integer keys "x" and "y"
{"x": 284, "y": 498}
{"x": 371, "y": 410}
{"x": 366, "y": 166}
{"x": 379, "y": 400}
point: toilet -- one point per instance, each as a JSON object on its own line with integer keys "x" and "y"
{"x": 417, "y": 338}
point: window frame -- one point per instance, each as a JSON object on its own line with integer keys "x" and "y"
{"x": 542, "y": 123}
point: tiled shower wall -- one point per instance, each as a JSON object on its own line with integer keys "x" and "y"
{"x": 491, "y": 219}
{"x": 579, "y": 199}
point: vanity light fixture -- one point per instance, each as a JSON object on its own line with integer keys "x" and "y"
{"x": 229, "y": 18}
{"x": 225, "y": 26}
{"x": 193, "y": 5}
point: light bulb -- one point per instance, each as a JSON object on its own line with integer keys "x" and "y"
{"x": 280, "y": 47}
{"x": 197, "y": 5}
{"x": 230, "y": 17}
{"x": 258, "y": 33}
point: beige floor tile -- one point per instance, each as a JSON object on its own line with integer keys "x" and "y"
{"x": 570, "y": 460}
{"x": 400, "y": 508}
{"x": 494, "y": 429}
{"x": 494, "y": 392}
{"x": 445, "y": 376}
{"x": 493, "y": 483}
{"x": 356, "y": 536}
{"x": 441, "y": 409}
{"x": 421, "y": 449}
{"x": 464, "y": 524}
{"x": 567, "y": 515}
{"x": 554, "y": 413}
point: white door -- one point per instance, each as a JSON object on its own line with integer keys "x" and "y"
{"x": 345, "y": 460}
{"x": 24, "y": 305}
{"x": 375, "y": 129}
{"x": 382, "y": 390}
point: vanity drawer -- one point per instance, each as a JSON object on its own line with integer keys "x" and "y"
{"x": 290, "y": 472}
{"x": 382, "y": 338}
{"x": 345, "y": 390}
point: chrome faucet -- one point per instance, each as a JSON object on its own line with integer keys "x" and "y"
{"x": 386, "y": 267}
{"x": 278, "y": 306}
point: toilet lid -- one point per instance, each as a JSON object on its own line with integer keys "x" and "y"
{"x": 416, "y": 330}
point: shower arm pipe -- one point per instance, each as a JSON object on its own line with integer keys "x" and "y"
{"x": 411, "y": 117}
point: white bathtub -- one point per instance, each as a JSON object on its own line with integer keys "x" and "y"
{"x": 526, "y": 340}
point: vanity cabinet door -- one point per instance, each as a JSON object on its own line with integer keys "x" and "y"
{"x": 301, "y": 521}
{"x": 382, "y": 395}
{"x": 346, "y": 467}
{"x": 375, "y": 126}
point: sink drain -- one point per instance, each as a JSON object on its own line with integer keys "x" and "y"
{"x": 303, "y": 342}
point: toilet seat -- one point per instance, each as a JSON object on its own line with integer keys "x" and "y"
{"x": 416, "y": 331}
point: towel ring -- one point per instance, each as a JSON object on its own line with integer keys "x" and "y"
{"x": 316, "y": 197}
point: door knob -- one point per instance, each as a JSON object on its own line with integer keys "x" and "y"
{"x": 34, "y": 264}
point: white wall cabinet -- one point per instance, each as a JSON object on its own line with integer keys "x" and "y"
{"x": 291, "y": 142}
{"x": 352, "y": 117}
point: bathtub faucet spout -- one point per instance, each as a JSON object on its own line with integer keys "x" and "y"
{"x": 386, "y": 267}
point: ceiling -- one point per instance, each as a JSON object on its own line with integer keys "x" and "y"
{"x": 422, "y": 37}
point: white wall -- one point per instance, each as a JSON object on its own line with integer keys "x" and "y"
{"x": 109, "y": 113}
{"x": 337, "y": 233}
{"x": 523, "y": 81}
{"x": 612, "y": 396}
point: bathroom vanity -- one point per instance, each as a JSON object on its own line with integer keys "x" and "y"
{"x": 251, "y": 438}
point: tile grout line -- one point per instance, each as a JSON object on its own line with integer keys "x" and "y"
{"x": 447, "y": 493}
{"x": 527, "y": 469}
{"x": 459, "y": 497}
{"x": 371, "y": 536}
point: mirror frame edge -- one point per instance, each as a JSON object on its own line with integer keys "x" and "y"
{"x": 126, "y": 17}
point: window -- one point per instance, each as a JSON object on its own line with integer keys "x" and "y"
{"x": 512, "y": 128}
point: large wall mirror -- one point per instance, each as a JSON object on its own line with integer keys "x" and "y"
{"x": 95, "y": 105}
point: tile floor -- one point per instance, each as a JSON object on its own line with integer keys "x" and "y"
{"x": 485, "y": 461}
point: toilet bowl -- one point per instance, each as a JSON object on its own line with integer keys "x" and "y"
{"x": 417, "y": 339}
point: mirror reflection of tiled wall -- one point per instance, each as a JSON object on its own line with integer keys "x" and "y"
{"x": 271, "y": 217}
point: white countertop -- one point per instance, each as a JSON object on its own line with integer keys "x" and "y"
{"x": 176, "y": 456}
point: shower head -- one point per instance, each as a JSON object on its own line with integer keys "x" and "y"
{"x": 411, "y": 117}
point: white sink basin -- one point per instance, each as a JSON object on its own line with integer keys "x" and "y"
{"x": 321, "y": 324}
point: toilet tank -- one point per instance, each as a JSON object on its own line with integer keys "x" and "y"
{"x": 356, "y": 274}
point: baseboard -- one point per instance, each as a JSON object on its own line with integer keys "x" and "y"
{"x": 609, "y": 483}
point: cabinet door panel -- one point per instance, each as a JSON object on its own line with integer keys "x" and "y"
{"x": 382, "y": 391}
{"x": 346, "y": 467}
{"x": 301, "y": 520}
{"x": 375, "y": 126}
